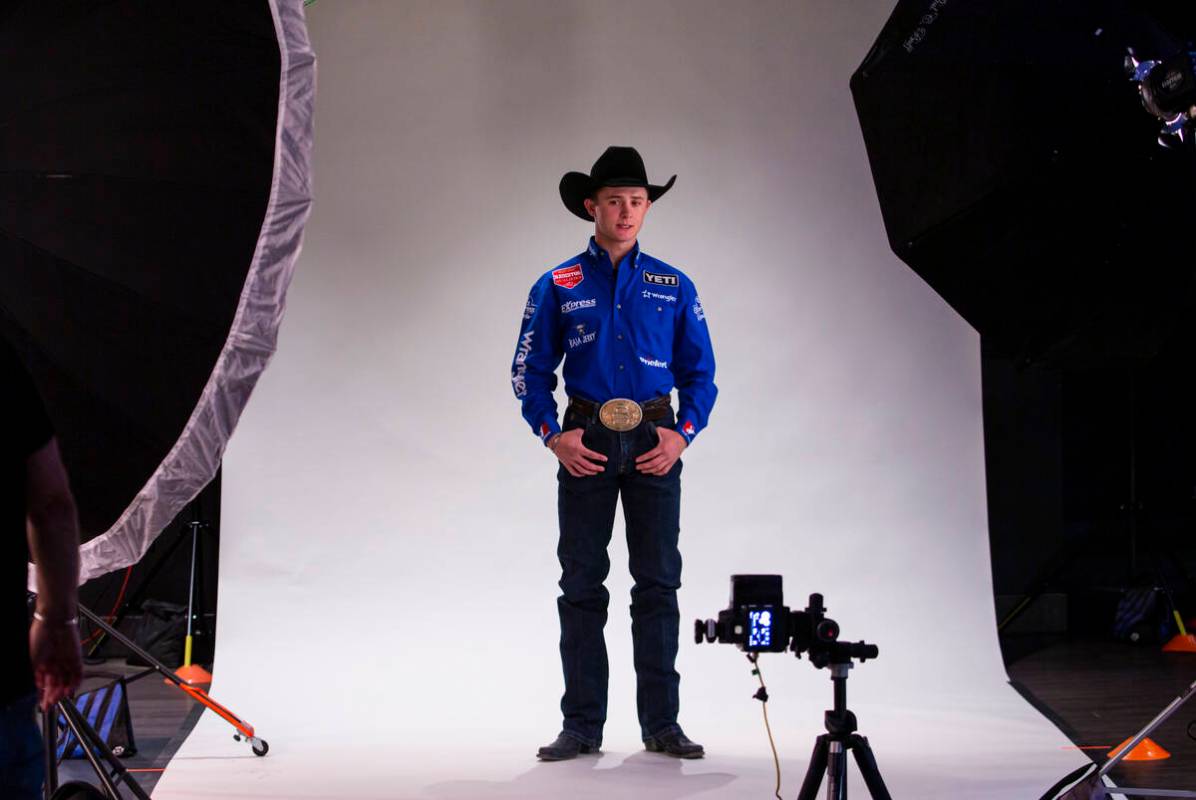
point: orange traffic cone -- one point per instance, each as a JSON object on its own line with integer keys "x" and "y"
{"x": 1147, "y": 750}
{"x": 193, "y": 673}
{"x": 1181, "y": 643}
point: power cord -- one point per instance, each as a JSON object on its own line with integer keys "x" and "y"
{"x": 762, "y": 695}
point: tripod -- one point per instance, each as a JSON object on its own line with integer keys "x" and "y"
{"x": 830, "y": 749}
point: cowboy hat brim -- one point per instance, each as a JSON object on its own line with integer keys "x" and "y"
{"x": 577, "y": 186}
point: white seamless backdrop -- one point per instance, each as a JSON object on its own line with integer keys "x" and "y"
{"x": 387, "y": 576}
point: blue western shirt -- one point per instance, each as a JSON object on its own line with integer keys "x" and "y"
{"x": 635, "y": 332}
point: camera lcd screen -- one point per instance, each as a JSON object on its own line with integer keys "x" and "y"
{"x": 760, "y": 628}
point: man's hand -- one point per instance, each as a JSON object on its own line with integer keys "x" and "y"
{"x": 578, "y": 459}
{"x": 57, "y": 664}
{"x": 53, "y": 532}
{"x": 660, "y": 459}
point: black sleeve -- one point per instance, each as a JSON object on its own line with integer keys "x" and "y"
{"x": 25, "y": 421}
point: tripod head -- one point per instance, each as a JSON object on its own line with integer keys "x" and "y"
{"x": 758, "y": 621}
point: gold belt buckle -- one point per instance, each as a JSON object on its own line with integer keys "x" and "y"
{"x": 620, "y": 414}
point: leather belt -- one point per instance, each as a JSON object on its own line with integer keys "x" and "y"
{"x": 652, "y": 410}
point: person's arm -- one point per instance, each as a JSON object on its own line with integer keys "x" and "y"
{"x": 53, "y": 532}
{"x": 537, "y": 354}
{"x": 693, "y": 365}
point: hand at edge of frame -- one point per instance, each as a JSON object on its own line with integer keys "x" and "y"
{"x": 660, "y": 459}
{"x": 578, "y": 459}
{"x": 57, "y": 661}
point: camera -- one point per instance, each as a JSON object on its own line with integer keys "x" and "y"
{"x": 758, "y": 621}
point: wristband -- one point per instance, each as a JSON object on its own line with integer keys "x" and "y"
{"x": 66, "y": 623}
{"x": 554, "y": 441}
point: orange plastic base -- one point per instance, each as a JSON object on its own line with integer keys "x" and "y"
{"x": 1147, "y": 750}
{"x": 1181, "y": 643}
{"x": 193, "y": 673}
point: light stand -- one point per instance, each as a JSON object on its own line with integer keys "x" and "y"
{"x": 193, "y": 672}
{"x": 244, "y": 731}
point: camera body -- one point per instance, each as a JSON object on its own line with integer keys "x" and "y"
{"x": 758, "y": 621}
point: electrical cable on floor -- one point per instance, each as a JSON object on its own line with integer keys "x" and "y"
{"x": 762, "y": 695}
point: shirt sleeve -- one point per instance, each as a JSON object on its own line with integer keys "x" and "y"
{"x": 27, "y": 417}
{"x": 537, "y": 354}
{"x": 693, "y": 365}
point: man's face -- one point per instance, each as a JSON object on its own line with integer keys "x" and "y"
{"x": 619, "y": 211}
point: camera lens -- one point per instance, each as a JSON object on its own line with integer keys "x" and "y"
{"x": 827, "y": 630}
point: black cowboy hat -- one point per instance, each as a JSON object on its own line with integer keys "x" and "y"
{"x": 618, "y": 166}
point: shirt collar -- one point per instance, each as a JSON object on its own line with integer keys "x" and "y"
{"x": 596, "y": 252}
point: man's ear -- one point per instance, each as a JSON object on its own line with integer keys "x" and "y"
{"x": 590, "y": 206}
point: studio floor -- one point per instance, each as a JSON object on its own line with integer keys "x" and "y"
{"x": 1097, "y": 693}
{"x": 1100, "y": 693}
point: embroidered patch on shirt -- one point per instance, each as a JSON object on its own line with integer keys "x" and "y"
{"x": 574, "y": 305}
{"x": 660, "y": 279}
{"x": 568, "y": 276}
{"x": 582, "y": 337}
{"x": 699, "y": 312}
{"x": 688, "y": 428}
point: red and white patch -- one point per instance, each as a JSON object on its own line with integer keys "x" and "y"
{"x": 544, "y": 430}
{"x": 568, "y": 276}
{"x": 688, "y": 427}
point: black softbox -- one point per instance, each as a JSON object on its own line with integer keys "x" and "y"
{"x": 1019, "y": 175}
{"x": 153, "y": 189}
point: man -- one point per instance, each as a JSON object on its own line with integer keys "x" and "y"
{"x": 37, "y": 515}
{"x": 630, "y": 328}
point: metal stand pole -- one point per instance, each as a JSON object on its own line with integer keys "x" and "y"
{"x": 49, "y": 754}
{"x": 95, "y": 750}
{"x": 1101, "y": 791}
{"x": 244, "y": 730}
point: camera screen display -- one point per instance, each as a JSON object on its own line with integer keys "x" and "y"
{"x": 760, "y": 628}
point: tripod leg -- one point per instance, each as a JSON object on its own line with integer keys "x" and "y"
{"x": 817, "y": 768}
{"x": 836, "y": 771}
{"x": 50, "y": 745}
{"x": 92, "y": 743}
{"x": 866, "y": 761}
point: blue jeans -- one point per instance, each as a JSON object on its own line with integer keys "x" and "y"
{"x": 22, "y": 769}
{"x": 651, "y": 511}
